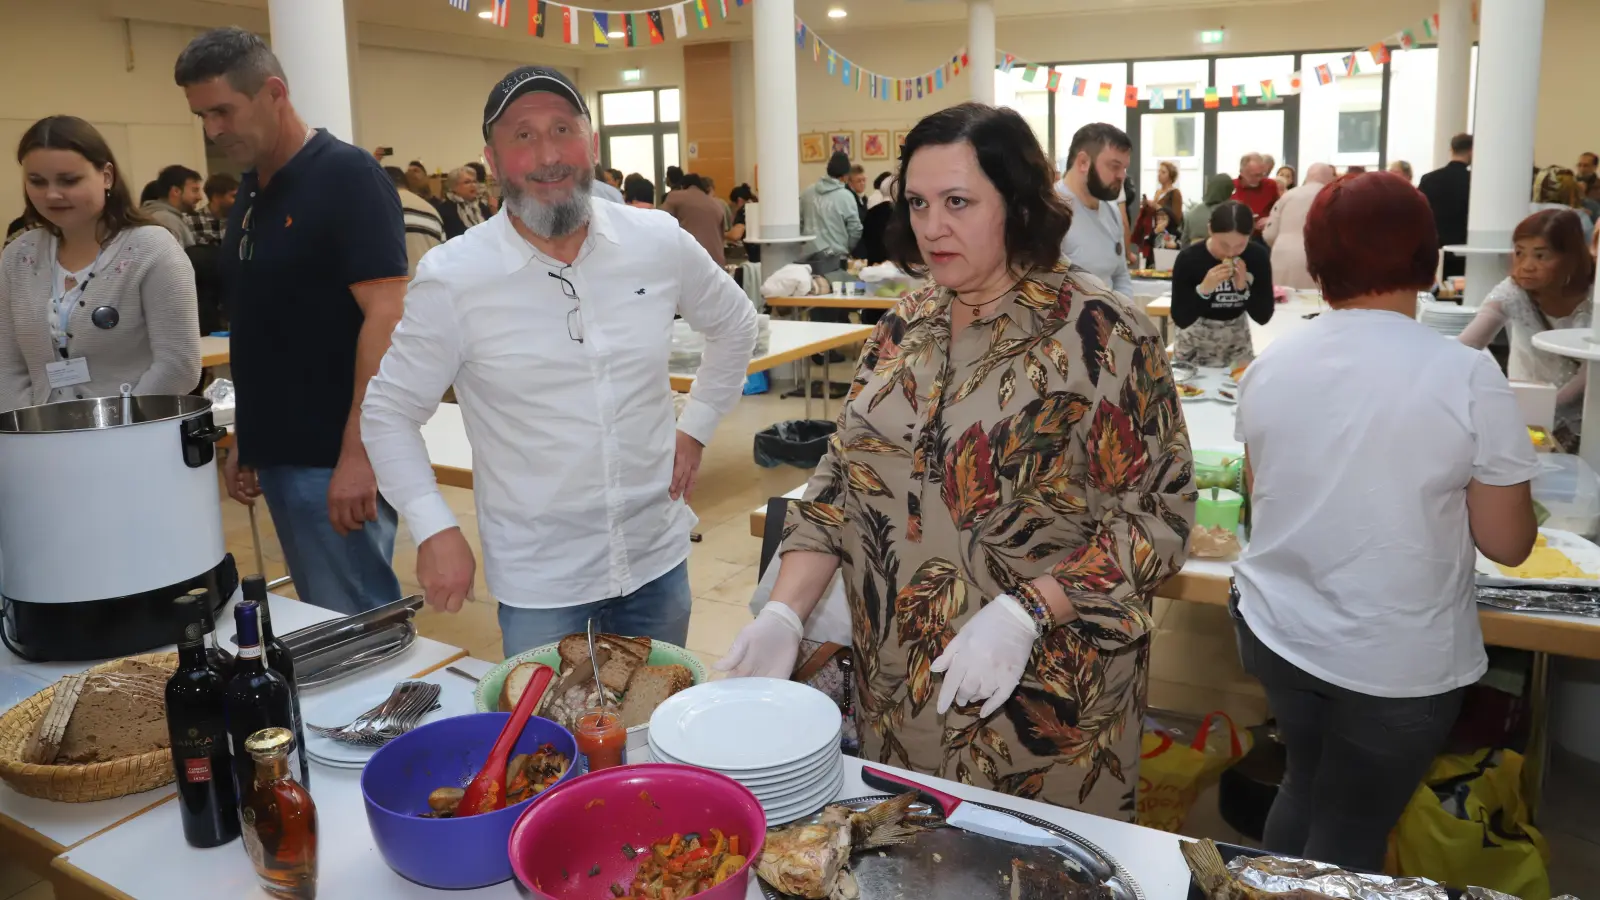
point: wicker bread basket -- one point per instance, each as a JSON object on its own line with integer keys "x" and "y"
{"x": 78, "y": 784}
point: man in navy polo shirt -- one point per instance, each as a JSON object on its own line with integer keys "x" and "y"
{"x": 314, "y": 268}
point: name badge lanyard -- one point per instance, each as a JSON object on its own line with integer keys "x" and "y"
{"x": 75, "y": 293}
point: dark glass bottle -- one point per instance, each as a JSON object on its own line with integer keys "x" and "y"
{"x": 280, "y": 819}
{"x": 220, "y": 659}
{"x": 195, "y": 723}
{"x": 279, "y": 660}
{"x": 257, "y": 697}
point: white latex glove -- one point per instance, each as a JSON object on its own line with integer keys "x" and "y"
{"x": 767, "y": 647}
{"x": 986, "y": 659}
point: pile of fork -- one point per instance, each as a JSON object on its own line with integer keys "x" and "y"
{"x": 403, "y": 711}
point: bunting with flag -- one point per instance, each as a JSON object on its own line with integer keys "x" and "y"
{"x": 1324, "y": 75}
{"x": 1238, "y": 95}
{"x": 1430, "y": 26}
{"x": 1030, "y": 73}
{"x": 601, "y": 33}
{"x": 1408, "y": 39}
{"x": 1184, "y": 99}
{"x": 657, "y": 34}
{"x": 1130, "y": 96}
{"x": 1211, "y": 98}
{"x": 1078, "y": 85}
{"x": 502, "y": 13}
{"x": 680, "y": 22}
{"x": 1105, "y": 92}
{"x": 1007, "y": 63}
{"x": 536, "y": 13}
{"x": 1269, "y": 93}
{"x": 1380, "y": 53}
{"x": 463, "y": 5}
{"x": 700, "y": 14}
{"x": 1350, "y": 63}
{"x": 1054, "y": 83}
{"x": 1158, "y": 98}
{"x": 630, "y": 28}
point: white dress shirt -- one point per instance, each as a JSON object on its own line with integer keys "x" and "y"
{"x": 1095, "y": 241}
{"x": 572, "y": 442}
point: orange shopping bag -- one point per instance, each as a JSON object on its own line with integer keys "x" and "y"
{"x": 1172, "y": 775}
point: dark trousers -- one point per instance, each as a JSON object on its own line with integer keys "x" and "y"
{"x": 1354, "y": 760}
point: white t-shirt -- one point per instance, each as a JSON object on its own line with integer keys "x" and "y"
{"x": 1364, "y": 429}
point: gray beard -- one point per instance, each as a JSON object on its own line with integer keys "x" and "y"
{"x": 552, "y": 220}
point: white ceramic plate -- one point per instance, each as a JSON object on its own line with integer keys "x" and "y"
{"x": 754, "y": 778}
{"x": 338, "y": 707}
{"x": 799, "y": 792}
{"x": 1582, "y": 552}
{"x": 745, "y": 724}
{"x": 784, "y": 815}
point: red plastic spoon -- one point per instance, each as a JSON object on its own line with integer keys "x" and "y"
{"x": 487, "y": 792}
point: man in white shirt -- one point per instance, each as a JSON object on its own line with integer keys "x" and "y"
{"x": 553, "y": 323}
{"x": 1097, "y": 163}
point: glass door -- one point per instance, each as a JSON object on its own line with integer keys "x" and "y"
{"x": 1175, "y": 137}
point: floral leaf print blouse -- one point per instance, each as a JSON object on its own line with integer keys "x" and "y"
{"x": 1045, "y": 439}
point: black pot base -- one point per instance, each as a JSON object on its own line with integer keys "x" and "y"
{"x": 102, "y": 629}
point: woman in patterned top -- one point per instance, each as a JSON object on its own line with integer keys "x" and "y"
{"x": 1008, "y": 486}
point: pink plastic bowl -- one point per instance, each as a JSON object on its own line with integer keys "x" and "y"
{"x": 560, "y": 839}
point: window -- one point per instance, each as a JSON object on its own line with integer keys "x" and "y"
{"x": 639, "y": 132}
{"x": 1358, "y": 131}
{"x": 1073, "y": 112}
{"x": 1324, "y": 109}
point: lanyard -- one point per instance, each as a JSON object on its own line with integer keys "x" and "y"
{"x": 63, "y": 303}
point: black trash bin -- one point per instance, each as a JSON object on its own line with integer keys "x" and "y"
{"x": 797, "y": 442}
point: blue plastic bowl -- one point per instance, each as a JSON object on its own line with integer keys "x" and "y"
{"x": 450, "y": 854}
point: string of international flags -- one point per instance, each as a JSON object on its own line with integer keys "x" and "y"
{"x": 550, "y": 18}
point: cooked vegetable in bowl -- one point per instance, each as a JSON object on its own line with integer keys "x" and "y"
{"x": 527, "y": 774}
{"x": 682, "y": 866}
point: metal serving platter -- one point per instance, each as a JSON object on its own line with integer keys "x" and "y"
{"x": 1183, "y": 372}
{"x": 971, "y": 866}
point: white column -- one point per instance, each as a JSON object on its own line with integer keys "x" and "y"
{"x": 980, "y": 49}
{"x": 308, "y": 37}
{"x": 1454, "y": 75}
{"x": 777, "y": 120}
{"x": 1502, "y": 151}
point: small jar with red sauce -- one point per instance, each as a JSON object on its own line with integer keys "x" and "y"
{"x": 601, "y": 738}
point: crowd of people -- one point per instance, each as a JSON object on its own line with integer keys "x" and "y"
{"x": 1000, "y": 586}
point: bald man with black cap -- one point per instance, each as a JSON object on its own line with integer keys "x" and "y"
{"x": 553, "y": 321}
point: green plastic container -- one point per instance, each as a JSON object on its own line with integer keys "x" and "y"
{"x": 1218, "y": 508}
{"x": 1215, "y": 469}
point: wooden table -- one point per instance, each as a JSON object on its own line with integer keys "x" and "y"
{"x": 34, "y": 832}
{"x": 832, "y": 301}
{"x": 213, "y": 352}
{"x": 350, "y": 867}
{"x": 451, "y": 453}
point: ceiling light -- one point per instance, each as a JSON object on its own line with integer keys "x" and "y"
{"x": 615, "y": 35}
{"x": 837, "y": 13}
{"x": 486, "y": 15}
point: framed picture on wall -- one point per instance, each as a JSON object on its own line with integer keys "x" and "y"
{"x": 899, "y": 141}
{"x": 874, "y": 145}
{"x": 842, "y": 142}
{"x": 813, "y": 147}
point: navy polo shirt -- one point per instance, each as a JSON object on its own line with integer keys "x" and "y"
{"x": 329, "y": 219}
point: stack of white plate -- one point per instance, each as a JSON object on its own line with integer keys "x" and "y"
{"x": 339, "y": 707}
{"x": 778, "y": 738}
{"x": 1446, "y": 318}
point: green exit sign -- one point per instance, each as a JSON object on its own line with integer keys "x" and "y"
{"x": 1211, "y": 36}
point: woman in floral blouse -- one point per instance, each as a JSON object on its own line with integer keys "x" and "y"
{"x": 1008, "y": 486}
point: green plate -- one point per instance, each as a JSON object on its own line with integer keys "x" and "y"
{"x": 487, "y": 695}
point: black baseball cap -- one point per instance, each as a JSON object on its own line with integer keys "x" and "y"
{"x": 523, "y": 80}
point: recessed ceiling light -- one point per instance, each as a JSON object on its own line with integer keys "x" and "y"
{"x": 616, "y": 35}
{"x": 837, "y": 13}
{"x": 486, "y": 15}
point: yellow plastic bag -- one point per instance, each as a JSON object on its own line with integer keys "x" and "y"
{"x": 1172, "y": 775}
{"x": 1468, "y": 824}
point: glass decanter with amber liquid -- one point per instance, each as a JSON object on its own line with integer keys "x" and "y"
{"x": 280, "y": 819}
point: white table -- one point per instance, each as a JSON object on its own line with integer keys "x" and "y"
{"x": 214, "y": 351}
{"x": 351, "y": 866}
{"x": 35, "y": 828}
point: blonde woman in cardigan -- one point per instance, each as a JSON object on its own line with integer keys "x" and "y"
{"x": 97, "y": 296}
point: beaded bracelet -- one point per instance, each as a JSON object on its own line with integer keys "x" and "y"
{"x": 1032, "y": 602}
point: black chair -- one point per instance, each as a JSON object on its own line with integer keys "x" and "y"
{"x": 772, "y": 535}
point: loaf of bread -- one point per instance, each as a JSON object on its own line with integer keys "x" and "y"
{"x": 649, "y": 688}
{"x": 101, "y": 716}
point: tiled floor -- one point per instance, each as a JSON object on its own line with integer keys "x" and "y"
{"x": 1194, "y": 667}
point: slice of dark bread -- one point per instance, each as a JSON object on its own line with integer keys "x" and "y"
{"x": 649, "y": 688}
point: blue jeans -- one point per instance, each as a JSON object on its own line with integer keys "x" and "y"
{"x": 659, "y": 609}
{"x": 345, "y": 573}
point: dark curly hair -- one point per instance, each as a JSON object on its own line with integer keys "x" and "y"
{"x": 1037, "y": 218}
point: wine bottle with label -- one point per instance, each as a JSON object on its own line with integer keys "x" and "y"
{"x": 257, "y": 697}
{"x": 196, "y": 725}
{"x": 279, "y": 660}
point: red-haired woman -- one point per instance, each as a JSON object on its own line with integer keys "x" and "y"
{"x": 1551, "y": 274}
{"x": 1354, "y": 602}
